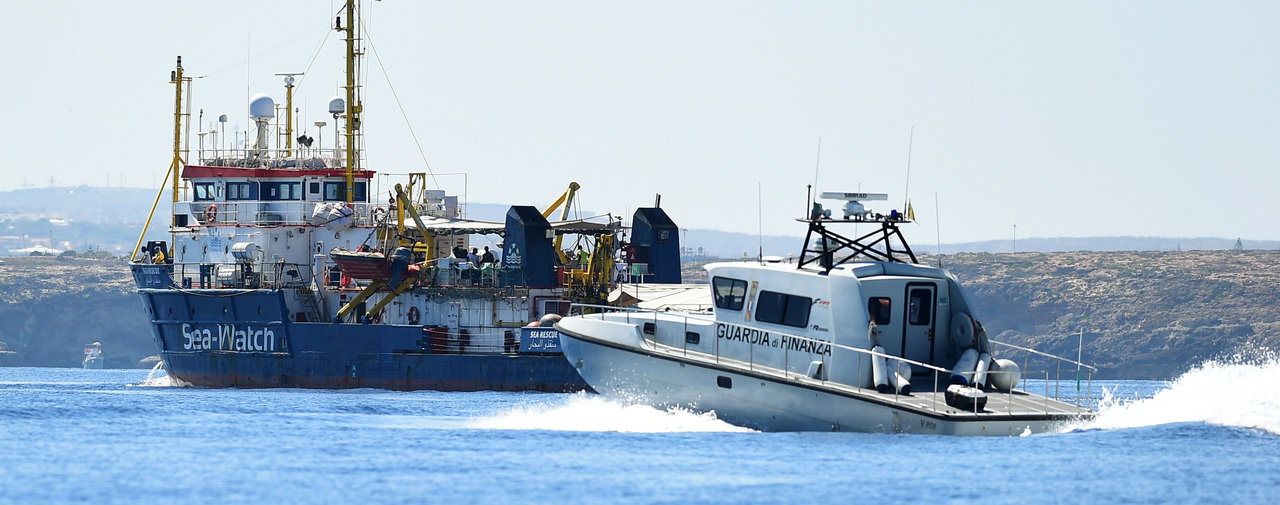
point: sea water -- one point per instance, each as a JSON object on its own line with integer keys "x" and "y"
{"x": 113, "y": 436}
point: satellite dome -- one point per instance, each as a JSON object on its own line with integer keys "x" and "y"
{"x": 337, "y": 105}
{"x": 262, "y": 106}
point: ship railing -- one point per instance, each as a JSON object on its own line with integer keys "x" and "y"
{"x": 312, "y": 158}
{"x": 241, "y": 275}
{"x": 268, "y": 213}
{"x": 469, "y": 340}
{"x": 1079, "y": 373}
{"x": 798, "y": 363}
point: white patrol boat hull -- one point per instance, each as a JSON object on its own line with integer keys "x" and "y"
{"x": 614, "y": 357}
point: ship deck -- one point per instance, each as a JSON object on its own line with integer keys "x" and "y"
{"x": 923, "y": 398}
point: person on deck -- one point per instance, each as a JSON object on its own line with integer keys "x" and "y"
{"x": 487, "y": 257}
{"x": 157, "y": 256}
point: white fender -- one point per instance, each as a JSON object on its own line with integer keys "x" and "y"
{"x": 1005, "y": 374}
{"x": 880, "y": 371}
{"x": 963, "y": 370}
{"x": 900, "y": 376}
{"x": 980, "y": 371}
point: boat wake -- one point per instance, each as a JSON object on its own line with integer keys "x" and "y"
{"x": 158, "y": 378}
{"x": 1241, "y": 391}
{"x": 583, "y": 412}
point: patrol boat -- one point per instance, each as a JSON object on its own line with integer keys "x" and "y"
{"x": 856, "y": 335}
{"x": 283, "y": 268}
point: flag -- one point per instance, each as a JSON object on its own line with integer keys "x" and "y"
{"x": 911, "y": 213}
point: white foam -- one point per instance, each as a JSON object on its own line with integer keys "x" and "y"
{"x": 582, "y": 412}
{"x": 1242, "y": 391}
{"x": 157, "y": 381}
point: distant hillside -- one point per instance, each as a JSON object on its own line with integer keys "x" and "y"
{"x": 109, "y": 219}
{"x": 732, "y": 245}
{"x": 1149, "y": 315}
{"x": 1145, "y": 315}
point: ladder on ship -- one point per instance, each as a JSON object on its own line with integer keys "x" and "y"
{"x": 307, "y": 296}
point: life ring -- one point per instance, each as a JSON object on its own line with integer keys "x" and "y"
{"x": 211, "y": 213}
{"x": 413, "y": 315}
{"x": 379, "y": 214}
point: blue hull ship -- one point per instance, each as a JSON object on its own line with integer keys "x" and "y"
{"x": 280, "y": 269}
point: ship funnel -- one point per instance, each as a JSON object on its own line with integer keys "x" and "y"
{"x": 262, "y": 109}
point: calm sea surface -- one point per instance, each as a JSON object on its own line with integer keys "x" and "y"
{"x": 112, "y": 436}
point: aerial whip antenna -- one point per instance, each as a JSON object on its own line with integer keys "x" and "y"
{"x": 906, "y": 190}
{"x": 816, "y": 165}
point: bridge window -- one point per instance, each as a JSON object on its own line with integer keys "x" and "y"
{"x": 337, "y": 191}
{"x": 281, "y": 191}
{"x": 239, "y": 191}
{"x": 781, "y": 308}
{"x": 880, "y": 310}
{"x": 728, "y": 293}
{"x": 203, "y": 191}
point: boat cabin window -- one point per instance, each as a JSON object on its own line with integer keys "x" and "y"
{"x": 337, "y": 191}
{"x": 729, "y": 293}
{"x": 203, "y": 191}
{"x": 781, "y": 308}
{"x": 281, "y": 191}
{"x": 240, "y": 191}
{"x": 880, "y": 309}
{"x": 920, "y": 310}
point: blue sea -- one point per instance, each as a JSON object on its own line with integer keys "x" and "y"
{"x": 120, "y": 436}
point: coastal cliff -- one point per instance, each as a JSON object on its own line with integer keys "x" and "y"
{"x": 50, "y": 308}
{"x": 1145, "y": 315}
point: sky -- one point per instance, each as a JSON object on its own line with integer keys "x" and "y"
{"x": 1044, "y": 119}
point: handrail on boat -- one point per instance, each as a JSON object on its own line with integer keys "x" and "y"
{"x": 786, "y": 372}
{"x": 1045, "y": 354}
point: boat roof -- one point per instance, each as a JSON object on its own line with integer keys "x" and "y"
{"x": 211, "y": 172}
{"x": 662, "y": 297}
{"x": 861, "y": 270}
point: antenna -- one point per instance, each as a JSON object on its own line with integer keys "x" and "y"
{"x": 937, "y": 222}
{"x": 906, "y": 193}
{"x": 817, "y": 163}
{"x": 759, "y": 223}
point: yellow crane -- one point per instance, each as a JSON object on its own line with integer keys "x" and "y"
{"x": 565, "y": 199}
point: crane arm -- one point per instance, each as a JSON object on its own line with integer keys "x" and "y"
{"x": 565, "y": 199}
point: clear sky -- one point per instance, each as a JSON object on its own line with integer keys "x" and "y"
{"x": 1156, "y": 118}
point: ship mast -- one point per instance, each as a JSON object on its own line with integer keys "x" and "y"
{"x": 353, "y": 96}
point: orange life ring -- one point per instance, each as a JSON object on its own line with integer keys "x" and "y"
{"x": 413, "y": 315}
{"x": 211, "y": 213}
{"x": 379, "y": 214}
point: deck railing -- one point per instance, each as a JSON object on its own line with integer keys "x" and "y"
{"x": 275, "y": 212}
{"x": 1050, "y": 379}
